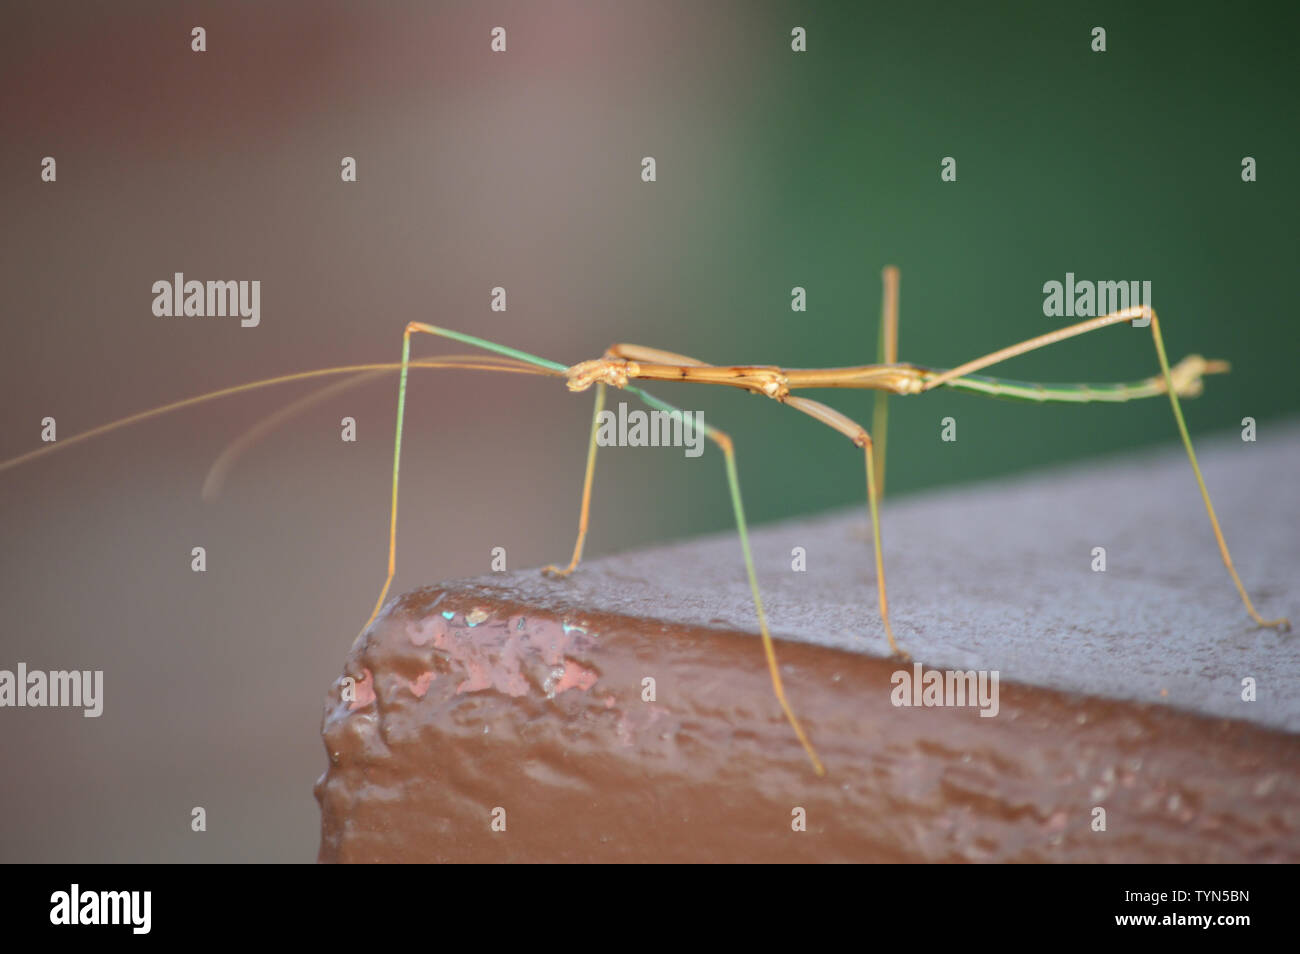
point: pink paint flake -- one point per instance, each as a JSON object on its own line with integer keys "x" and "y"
{"x": 575, "y": 677}
{"x": 420, "y": 684}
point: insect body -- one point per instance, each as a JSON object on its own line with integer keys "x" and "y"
{"x": 623, "y": 365}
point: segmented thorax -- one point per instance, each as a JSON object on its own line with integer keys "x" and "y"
{"x": 612, "y": 371}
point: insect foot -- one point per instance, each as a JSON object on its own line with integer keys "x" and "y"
{"x": 613, "y": 371}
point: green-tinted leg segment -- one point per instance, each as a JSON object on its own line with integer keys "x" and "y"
{"x": 733, "y": 482}
{"x": 769, "y": 648}
{"x": 420, "y": 327}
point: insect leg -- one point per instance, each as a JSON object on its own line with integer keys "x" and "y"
{"x": 628, "y": 353}
{"x": 553, "y": 570}
{"x": 1128, "y": 315}
{"x": 886, "y": 353}
{"x": 422, "y": 328}
{"x": 858, "y": 434}
{"x": 769, "y": 649}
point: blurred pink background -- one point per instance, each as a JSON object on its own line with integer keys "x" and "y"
{"x": 475, "y": 170}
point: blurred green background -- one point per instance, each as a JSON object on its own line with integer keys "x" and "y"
{"x": 522, "y": 169}
{"x": 1123, "y": 164}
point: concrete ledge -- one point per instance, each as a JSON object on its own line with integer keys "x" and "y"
{"x": 1119, "y": 691}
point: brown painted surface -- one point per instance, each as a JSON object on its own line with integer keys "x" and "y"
{"x": 541, "y": 713}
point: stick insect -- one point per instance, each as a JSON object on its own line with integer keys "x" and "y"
{"x": 623, "y": 364}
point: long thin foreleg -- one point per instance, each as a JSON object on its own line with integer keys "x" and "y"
{"x": 416, "y": 327}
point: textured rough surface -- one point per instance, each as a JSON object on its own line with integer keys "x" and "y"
{"x": 519, "y": 698}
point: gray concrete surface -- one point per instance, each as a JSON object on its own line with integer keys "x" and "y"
{"x": 999, "y": 576}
